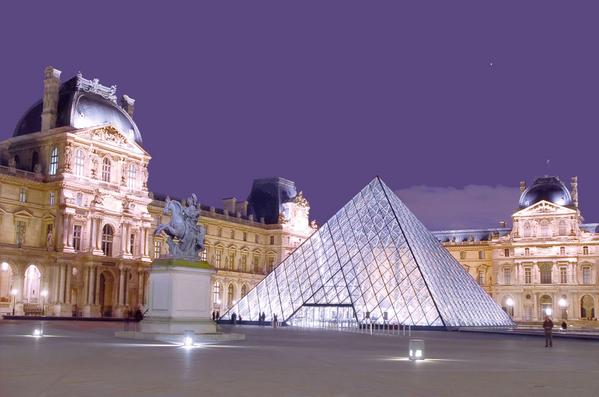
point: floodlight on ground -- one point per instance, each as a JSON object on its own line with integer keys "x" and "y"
{"x": 44, "y": 293}
{"x": 562, "y": 303}
{"x": 4, "y": 266}
{"x": 509, "y": 302}
{"x": 188, "y": 338}
{"x": 416, "y": 347}
{"x": 38, "y": 332}
{"x": 14, "y": 291}
{"x": 549, "y": 311}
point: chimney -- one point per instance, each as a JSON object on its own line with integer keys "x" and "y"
{"x": 50, "y": 99}
{"x": 229, "y": 205}
{"x": 128, "y": 104}
{"x": 242, "y": 207}
{"x": 574, "y": 190}
{"x": 522, "y": 186}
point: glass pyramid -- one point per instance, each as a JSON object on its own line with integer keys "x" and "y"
{"x": 373, "y": 261}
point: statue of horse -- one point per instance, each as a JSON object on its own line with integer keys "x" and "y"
{"x": 185, "y": 237}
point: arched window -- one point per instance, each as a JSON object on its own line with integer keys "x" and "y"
{"x": 53, "y": 165}
{"x": 106, "y": 169}
{"x": 244, "y": 290}
{"x": 79, "y": 162}
{"x": 216, "y": 293}
{"x": 545, "y": 229}
{"x": 31, "y": 291}
{"x": 5, "y": 281}
{"x": 132, "y": 179}
{"x": 230, "y": 295}
{"x": 107, "y": 236}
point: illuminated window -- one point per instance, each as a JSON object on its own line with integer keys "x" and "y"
{"x": 106, "y": 169}
{"x": 23, "y": 195}
{"x": 256, "y": 263}
{"x": 244, "y": 262}
{"x": 20, "y": 233}
{"x": 107, "y": 236}
{"x": 53, "y": 166}
{"x": 244, "y": 290}
{"x": 79, "y": 160}
{"x": 216, "y": 293}
{"x": 270, "y": 263}
{"x": 527, "y": 275}
{"x": 563, "y": 275}
{"x": 52, "y": 198}
{"x": 230, "y": 295}
{"x": 218, "y": 254}
{"x": 157, "y": 248}
{"x": 77, "y": 237}
{"x": 231, "y": 260}
{"x": 132, "y": 177}
{"x": 204, "y": 255}
{"x": 586, "y": 275}
{"x": 585, "y": 250}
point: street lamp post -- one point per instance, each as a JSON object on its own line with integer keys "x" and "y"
{"x": 44, "y": 294}
{"x": 13, "y": 292}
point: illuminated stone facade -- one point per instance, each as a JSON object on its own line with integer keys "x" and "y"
{"x": 77, "y": 219}
{"x": 545, "y": 263}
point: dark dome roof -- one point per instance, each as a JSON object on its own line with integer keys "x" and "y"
{"x": 81, "y": 104}
{"x": 549, "y": 188}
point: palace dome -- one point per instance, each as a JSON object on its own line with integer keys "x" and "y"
{"x": 82, "y": 104}
{"x": 548, "y": 188}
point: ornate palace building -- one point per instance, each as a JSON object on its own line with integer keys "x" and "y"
{"x": 77, "y": 219}
{"x": 546, "y": 263}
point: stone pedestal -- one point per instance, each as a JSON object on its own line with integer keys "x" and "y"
{"x": 62, "y": 310}
{"x": 91, "y": 311}
{"x": 179, "y": 298}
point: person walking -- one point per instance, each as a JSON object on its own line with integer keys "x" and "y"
{"x": 548, "y": 327}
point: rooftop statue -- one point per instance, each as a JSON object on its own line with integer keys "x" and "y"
{"x": 185, "y": 237}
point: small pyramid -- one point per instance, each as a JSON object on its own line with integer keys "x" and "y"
{"x": 372, "y": 260}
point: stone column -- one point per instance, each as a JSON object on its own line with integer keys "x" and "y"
{"x": 121, "y": 301}
{"x": 142, "y": 241}
{"x": 67, "y": 287}
{"x": 60, "y": 284}
{"x": 70, "y": 231}
{"x": 65, "y": 230}
{"x": 92, "y": 235}
{"x": 140, "y": 286}
{"x": 128, "y": 239}
{"x": 126, "y": 287}
{"x": 97, "y": 289}
{"x": 56, "y": 288}
{"x": 91, "y": 284}
{"x": 98, "y": 234}
{"x": 123, "y": 239}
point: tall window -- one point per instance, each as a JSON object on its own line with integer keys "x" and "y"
{"x": 257, "y": 239}
{"x": 244, "y": 290}
{"x": 106, "y": 169}
{"x": 79, "y": 159}
{"x": 20, "y": 233}
{"x": 231, "y": 260}
{"x": 586, "y": 275}
{"x": 230, "y": 295}
{"x": 52, "y": 198}
{"x": 527, "y": 275}
{"x": 244, "y": 262}
{"x": 216, "y": 293}
{"x": 77, "y": 237}
{"x": 462, "y": 254}
{"x": 79, "y": 199}
{"x": 272, "y": 240}
{"x": 270, "y": 264}
{"x": 245, "y": 236}
{"x": 132, "y": 244}
{"x": 481, "y": 277}
{"x": 545, "y": 230}
{"x": 562, "y": 228}
{"x": 545, "y": 273}
{"x": 157, "y": 248}
{"x": 507, "y": 275}
{"x": 53, "y": 165}
{"x": 218, "y": 255}
{"x": 132, "y": 178}
{"x": 527, "y": 229}
{"x": 526, "y": 251}
{"x": 256, "y": 263}
{"x": 481, "y": 254}
{"x": 563, "y": 275}
{"x": 585, "y": 250}
{"x": 107, "y": 236}
{"x": 23, "y": 195}
{"x": 562, "y": 250}
{"x": 506, "y": 252}
{"x": 204, "y": 255}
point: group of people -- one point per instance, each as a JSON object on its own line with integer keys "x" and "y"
{"x": 548, "y": 329}
{"x": 215, "y": 315}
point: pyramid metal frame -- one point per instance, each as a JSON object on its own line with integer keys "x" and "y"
{"x": 376, "y": 257}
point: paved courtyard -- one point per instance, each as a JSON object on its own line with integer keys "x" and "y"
{"x": 85, "y": 359}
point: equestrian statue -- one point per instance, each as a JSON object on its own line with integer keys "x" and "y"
{"x": 185, "y": 236}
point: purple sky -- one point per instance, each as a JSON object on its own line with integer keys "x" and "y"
{"x": 330, "y": 94}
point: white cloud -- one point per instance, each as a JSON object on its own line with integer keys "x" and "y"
{"x": 471, "y": 207}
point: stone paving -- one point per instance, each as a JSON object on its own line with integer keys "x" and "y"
{"x": 85, "y": 359}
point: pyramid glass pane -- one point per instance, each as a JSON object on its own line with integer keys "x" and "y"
{"x": 373, "y": 261}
